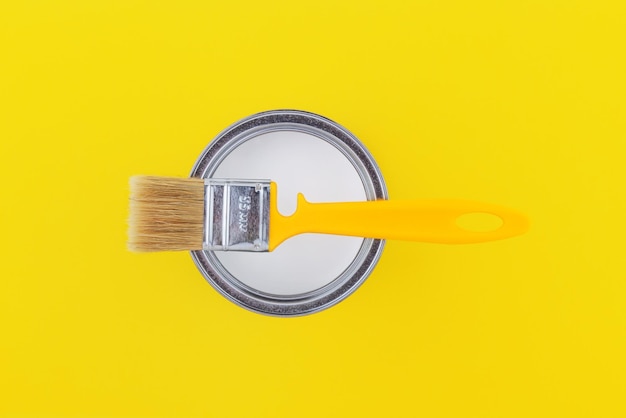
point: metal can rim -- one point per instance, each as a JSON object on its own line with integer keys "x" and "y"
{"x": 371, "y": 249}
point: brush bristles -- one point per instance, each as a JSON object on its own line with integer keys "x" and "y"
{"x": 166, "y": 214}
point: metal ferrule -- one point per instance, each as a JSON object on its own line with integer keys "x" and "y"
{"x": 236, "y": 215}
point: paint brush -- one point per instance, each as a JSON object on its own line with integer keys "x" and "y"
{"x": 173, "y": 214}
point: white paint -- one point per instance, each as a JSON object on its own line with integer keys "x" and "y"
{"x": 297, "y": 162}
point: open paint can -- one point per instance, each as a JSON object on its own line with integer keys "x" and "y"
{"x": 303, "y": 153}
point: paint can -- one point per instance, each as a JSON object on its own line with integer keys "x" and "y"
{"x": 301, "y": 152}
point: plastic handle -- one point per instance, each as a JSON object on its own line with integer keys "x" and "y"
{"x": 433, "y": 220}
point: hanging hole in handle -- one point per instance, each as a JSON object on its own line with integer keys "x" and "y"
{"x": 479, "y": 222}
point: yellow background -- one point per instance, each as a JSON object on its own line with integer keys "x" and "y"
{"x": 519, "y": 103}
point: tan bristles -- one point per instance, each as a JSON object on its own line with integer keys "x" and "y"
{"x": 166, "y": 214}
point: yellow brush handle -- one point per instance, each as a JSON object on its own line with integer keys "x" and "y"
{"x": 416, "y": 220}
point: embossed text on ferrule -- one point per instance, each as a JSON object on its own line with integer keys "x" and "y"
{"x": 244, "y": 212}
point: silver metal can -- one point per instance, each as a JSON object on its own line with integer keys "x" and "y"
{"x": 302, "y": 152}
